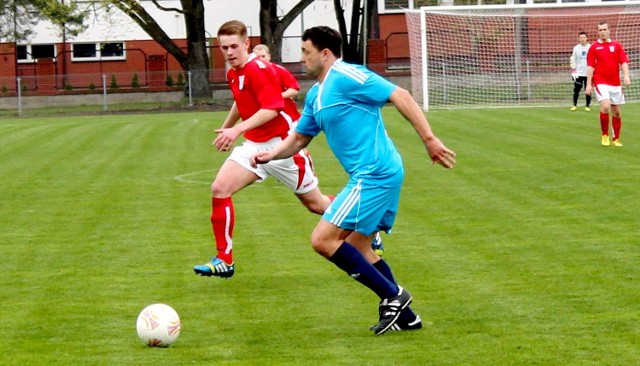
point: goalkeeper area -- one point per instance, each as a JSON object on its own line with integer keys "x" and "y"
{"x": 501, "y": 55}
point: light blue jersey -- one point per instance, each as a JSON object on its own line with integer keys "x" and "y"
{"x": 346, "y": 107}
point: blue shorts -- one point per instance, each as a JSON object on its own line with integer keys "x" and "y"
{"x": 366, "y": 206}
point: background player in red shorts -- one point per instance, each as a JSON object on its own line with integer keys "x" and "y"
{"x": 604, "y": 61}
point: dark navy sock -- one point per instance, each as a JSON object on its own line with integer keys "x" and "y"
{"x": 350, "y": 260}
{"x": 407, "y": 315}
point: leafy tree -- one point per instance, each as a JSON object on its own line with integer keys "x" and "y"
{"x": 17, "y": 17}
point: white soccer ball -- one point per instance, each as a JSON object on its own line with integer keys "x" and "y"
{"x": 158, "y": 325}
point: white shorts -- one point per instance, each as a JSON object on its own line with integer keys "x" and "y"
{"x": 295, "y": 172}
{"x": 613, "y": 93}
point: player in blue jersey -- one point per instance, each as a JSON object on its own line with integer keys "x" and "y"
{"x": 345, "y": 104}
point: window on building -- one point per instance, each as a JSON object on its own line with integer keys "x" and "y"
{"x": 84, "y": 51}
{"x": 396, "y": 4}
{"x": 112, "y": 49}
{"x": 98, "y": 51}
{"x": 31, "y": 52}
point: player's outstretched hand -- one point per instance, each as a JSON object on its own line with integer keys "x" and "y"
{"x": 260, "y": 158}
{"x": 225, "y": 139}
{"x": 574, "y": 75}
{"x": 440, "y": 154}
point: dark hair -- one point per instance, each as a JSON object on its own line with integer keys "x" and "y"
{"x": 324, "y": 37}
{"x": 233, "y": 28}
{"x": 581, "y": 33}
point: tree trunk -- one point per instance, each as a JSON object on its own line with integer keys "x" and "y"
{"x": 197, "y": 58}
{"x": 272, "y": 29}
{"x": 342, "y": 25}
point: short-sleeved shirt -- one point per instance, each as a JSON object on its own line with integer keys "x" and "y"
{"x": 606, "y": 58}
{"x": 288, "y": 81}
{"x": 256, "y": 86}
{"x": 346, "y": 107}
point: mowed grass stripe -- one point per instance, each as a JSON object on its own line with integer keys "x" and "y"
{"x": 504, "y": 194}
{"x": 525, "y": 253}
{"x": 90, "y": 193}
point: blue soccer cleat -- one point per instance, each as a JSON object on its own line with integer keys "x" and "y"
{"x": 376, "y": 245}
{"x": 217, "y": 267}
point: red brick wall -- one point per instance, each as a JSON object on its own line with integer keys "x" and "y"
{"x": 393, "y": 29}
{"x": 376, "y": 60}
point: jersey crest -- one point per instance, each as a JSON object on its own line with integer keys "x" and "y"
{"x": 241, "y": 82}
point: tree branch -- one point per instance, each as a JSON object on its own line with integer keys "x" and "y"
{"x": 155, "y": 2}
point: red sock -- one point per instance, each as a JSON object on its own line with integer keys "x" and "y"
{"x": 222, "y": 221}
{"x": 604, "y": 123}
{"x": 616, "y": 123}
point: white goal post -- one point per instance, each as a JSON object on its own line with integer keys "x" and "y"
{"x": 510, "y": 55}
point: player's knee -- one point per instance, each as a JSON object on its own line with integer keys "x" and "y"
{"x": 320, "y": 245}
{"x": 219, "y": 190}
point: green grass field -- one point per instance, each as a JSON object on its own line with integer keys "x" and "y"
{"x": 527, "y": 253}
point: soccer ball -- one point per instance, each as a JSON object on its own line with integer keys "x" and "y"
{"x": 158, "y": 325}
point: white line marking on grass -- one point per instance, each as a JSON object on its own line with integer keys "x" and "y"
{"x": 185, "y": 177}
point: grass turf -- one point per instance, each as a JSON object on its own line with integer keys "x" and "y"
{"x": 527, "y": 253}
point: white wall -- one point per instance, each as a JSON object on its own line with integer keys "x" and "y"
{"x": 115, "y": 26}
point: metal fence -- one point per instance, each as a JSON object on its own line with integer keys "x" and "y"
{"x": 37, "y": 91}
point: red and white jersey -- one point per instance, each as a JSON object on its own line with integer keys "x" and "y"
{"x": 256, "y": 86}
{"x": 606, "y": 58}
{"x": 288, "y": 81}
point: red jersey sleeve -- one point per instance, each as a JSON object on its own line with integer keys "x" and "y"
{"x": 622, "y": 56}
{"x": 287, "y": 79}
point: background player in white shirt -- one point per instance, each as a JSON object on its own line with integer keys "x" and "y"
{"x": 578, "y": 63}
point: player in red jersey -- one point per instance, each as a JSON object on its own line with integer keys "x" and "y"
{"x": 289, "y": 83}
{"x": 258, "y": 102}
{"x": 604, "y": 61}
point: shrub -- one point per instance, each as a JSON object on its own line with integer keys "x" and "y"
{"x": 92, "y": 86}
{"x": 4, "y": 88}
{"x": 169, "y": 80}
{"x": 180, "y": 79}
{"x": 135, "y": 83}
{"x": 114, "y": 82}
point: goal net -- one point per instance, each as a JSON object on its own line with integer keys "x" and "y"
{"x": 502, "y": 55}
